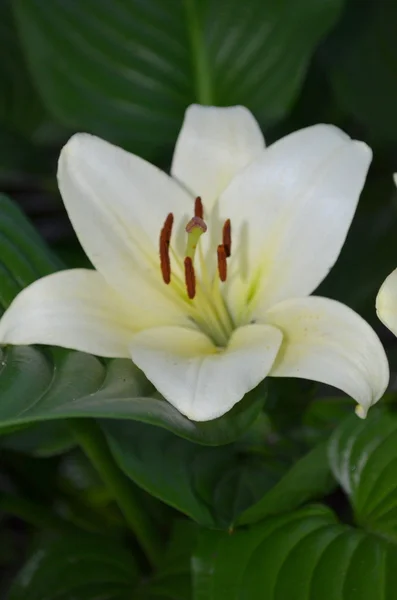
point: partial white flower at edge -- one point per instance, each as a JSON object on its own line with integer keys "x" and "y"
{"x": 386, "y": 300}
{"x": 208, "y": 297}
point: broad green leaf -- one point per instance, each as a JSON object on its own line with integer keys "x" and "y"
{"x": 126, "y": 70}
{"x": 363, "y": 457}
{"x": 35, "y": 387}
{"x": 92, "y": 567}
{"x": 173, "y": 577}
{"x": 301, "y": 555}
{"x": 25, "y": 128}
{"x": 363, "y": 57}
{"x": 211, "y": 485}
{"x": 85, "y": 567}
{"x": 322, "y": 417}
{"x": 24, "y": 256}
{"x": 309, "y": 478}
{"x": 41, "y": 440}
{"x": 20, "y": 107}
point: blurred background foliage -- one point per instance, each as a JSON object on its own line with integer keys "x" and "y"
{"x": 126, "y": 70}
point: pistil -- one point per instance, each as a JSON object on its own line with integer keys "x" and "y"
{"x": 195, "y": 229}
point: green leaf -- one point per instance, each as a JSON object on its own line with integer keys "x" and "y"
{"x": 322, "y": 416}
{"x": 363, "y": 457}
{"x": 24, "y": 124}
{"x": 41, "y": 440}
{"x": 364, "y": 58}
{"x": 24, "y": 257}
{"x": 82, "y": 567}
{"x": 211, "y": 485}
{"x": 173, "y": 578}
{"x": 309, "y": 478}
{"x": 127, "y": 70}
{"x": 20, "y": 107}
{"x": 301, "y": 555}
{"x": 35, "y": 387}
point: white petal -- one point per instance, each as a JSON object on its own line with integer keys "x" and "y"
{"x": 291, "y": 210}
{"x": 72, "y": 309}
{"x": 326, "y": 341}
{"x": 386, "y": 302}
{"x": 201, "y": 381}
{"x": 214, "y": 144}
{"x": 117, "y": 204}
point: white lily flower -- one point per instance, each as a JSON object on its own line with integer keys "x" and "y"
{"x": 386, "y": 300}
{"x": 209, "y": 296}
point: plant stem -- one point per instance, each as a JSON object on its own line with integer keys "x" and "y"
{"x": 93, "y": 442}
{"x": 35, "y": 514}
{"x": 199, "y": 52}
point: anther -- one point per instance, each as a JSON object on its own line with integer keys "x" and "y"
{"x": 222, "y": 263}
{"x": 190, "y": 278}
{"x": 165, "y": 237}
{"x": 198, "y": 208}
{"x": 227, "y": 237}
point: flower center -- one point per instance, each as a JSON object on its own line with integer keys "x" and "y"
{"x": 206, "y": 303}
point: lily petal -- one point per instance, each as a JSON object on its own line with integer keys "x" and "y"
{"x": 326, "y": 341}
{"x": 386, "y": 302}
{"x": 214, "y": 144}
{"x": 197, "y": 378}
{"x": 291, "y": 210}
{"x": 72, "y": 309}
{"x": 117, "y": 204}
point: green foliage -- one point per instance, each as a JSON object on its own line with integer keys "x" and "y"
{"x": 364, "y": 67}
{"x": 24, "y": 256}
{"x": 363, "y": 456}
{"x": 127, "y": 70}
{"x": 92, "y": 567}
{"x": 39, "y": 386}
{"x": 77, "y": 566}
{"x": 304, "y": 554}
{"x": 217, "y": 487}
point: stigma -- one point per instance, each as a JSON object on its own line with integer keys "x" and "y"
{"x": 195, "y": 228}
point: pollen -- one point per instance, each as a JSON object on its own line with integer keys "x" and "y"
{"x": 190, "y": 278}
{"x": 198, "y": 208}
{"x": 227, "y": 237}
{"x": 165, "y": 238}
{"x": 222, "y": 262}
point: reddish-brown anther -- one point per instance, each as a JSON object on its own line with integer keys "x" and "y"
{"x": 190, "y": 278}
{"x": 198, "y": 208}
{"x": 222, "y": 263}
{"x": 165, "y": 238}
{"x": 227, "y": 237}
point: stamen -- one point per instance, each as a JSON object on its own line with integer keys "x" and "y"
{"x": 190, "y": 278}
{"x": 198, "y": 208}
{"x": 222, "y": 263}
{"x": 195, "y": 228}
{"x": 165, "y": 238}
{"x": 227, "y": 237}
